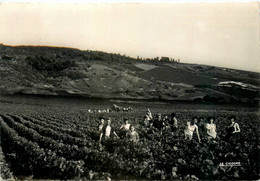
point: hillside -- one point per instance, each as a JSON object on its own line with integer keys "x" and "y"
{"x": 72, "y": 72}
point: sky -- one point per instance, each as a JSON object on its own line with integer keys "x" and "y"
{"x": 223, "y": 34}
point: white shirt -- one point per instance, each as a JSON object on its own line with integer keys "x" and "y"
{"x": 108, "y": 131}
{"x": 126, "y": 126}
{"x": 149, "y": 116}
{"x": 100, "y": 127}
{"x": 190, "y": 129}
{"x": 211, "y": 130}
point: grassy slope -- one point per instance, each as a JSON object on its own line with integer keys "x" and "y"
{"x": 98, "y": 74}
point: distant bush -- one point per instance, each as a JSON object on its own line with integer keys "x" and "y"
{"x": 253, "y": 75}
{"x": 45, "y": 63}
{"x": 5, "y": 57}
{"x": 209, "y": 98}
{"x": 165, "y": 59}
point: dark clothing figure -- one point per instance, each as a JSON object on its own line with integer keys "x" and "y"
{"x": 202, "y": 128}
{"x": 230, "y": 131}
{"x": 146, "y": 123}
{"x": 173, "y": 122}
{"x": 159, "y": 124}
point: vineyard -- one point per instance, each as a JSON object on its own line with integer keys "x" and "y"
{"x": 61, "y": 145}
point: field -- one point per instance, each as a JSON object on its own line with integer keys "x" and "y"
{"x": 56, "y": 138}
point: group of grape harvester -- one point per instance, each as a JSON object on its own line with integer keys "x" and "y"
{"x": 160, "y": 124}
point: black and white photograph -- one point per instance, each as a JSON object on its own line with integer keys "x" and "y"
{"x": 129, "y": 90}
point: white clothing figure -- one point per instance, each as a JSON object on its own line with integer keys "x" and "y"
{"x": 211, "y": 128}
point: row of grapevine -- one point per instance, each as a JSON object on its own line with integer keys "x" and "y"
{"x": 59, "y": 125}
{"x": 53, "y": 132}
{"x": 37, "y": 161}
{"x": 61, "y": 149}
{"x": 6, "y": 174}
